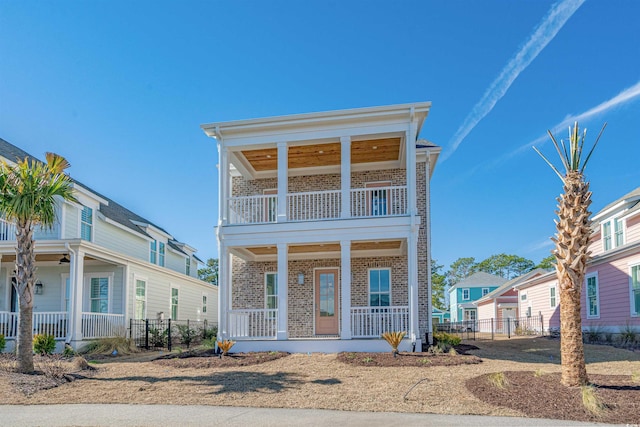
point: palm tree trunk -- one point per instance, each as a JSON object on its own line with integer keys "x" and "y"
{"x": 574, "y": 371}
{"x": 25, "y": 278}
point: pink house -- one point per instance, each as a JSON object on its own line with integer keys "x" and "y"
{"x": 611, "y": 292}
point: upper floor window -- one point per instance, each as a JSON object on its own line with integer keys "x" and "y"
{"x": 379, "y": 287}
{"x": 156, "y": 252}
{"x": 466, "y": 294}
{"x": 485, "y": 291}
{"x": 161, "y": 254}
{"x": 612, "y": 234}
{"x": 86, "y": 223}
{"x": 523, "y": 296}
{"x": 187, "y": 266}
{"x": 204, "y": 303}
{"x": 635, "y": 290}
{"x": 593, "y": 296}
{"x": 552, "y": 296}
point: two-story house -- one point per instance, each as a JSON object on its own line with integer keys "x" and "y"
{"x": 99, "y": 266}
{"x": 610, "y": 299}
{"x": 466, "y": 292}
{"x": 323, "y": 229}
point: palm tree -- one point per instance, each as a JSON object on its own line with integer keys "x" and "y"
{"x": 28, "y": 192}
{"x": 571, "y": 244}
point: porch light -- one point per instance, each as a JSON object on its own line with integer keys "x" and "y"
{"x": 39, "y": 288}
{"x": 64, "y": 260}
{"x": 300, "y": 278}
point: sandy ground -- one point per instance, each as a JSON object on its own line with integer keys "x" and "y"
{"x": 320, "y": 381}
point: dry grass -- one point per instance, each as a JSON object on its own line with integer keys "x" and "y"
{"x": 591, "y": 401}
{"x": 321, "y": 381}
{"x": 498, "y": 379}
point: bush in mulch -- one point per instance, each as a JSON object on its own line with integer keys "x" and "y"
{"x": 542, "y": 395}
{"x": 50, "y": 371}
{"x": 424, "y": 359}
{"x": 209, "y": 359}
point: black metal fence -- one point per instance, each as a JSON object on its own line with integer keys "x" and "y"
{"x": 155, "y": 334}
{"x": 493, "y": 328}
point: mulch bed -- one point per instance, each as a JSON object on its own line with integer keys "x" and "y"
{"x": 407, "y": 359}
{"x": 209, "y": 359}
{"x": 542, "y": 396}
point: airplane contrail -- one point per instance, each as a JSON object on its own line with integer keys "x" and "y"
{"x": 545, "y": 32}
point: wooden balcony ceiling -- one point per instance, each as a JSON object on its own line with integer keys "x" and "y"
{"x": 305, "y": 156}
{"x": 41, "y": 258}
{"x": 329, "y": 247}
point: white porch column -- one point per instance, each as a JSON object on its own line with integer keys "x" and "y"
{"x": 283, "y": 184}
{"x": 283, "y": 279}
{"x": 412, "y": 260}
{"x": 345, "y": 288}
{"x": 224, "y": 292}
{"x": 411, "y": 169}
{"x": 76, "y": 283}
{"x": 345, "y": 176}
{"x": 224, "y": 179}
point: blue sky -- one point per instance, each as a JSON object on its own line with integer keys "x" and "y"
{"x": 120, "y": 89}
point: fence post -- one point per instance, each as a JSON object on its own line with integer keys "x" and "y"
{"x": 541, "y": 324}
{"x": 146, "y": 334}
{"x": 508, "y": 327}
{"x": 169, "y": 336}
{"x": 131, "y": 329}
{"x": 492, "y": 335}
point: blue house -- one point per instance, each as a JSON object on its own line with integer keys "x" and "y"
{"x": 464, "y": 293}
{"x": 440, "y": 316}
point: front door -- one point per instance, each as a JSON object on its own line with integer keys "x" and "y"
{"x": 326, "y": 286}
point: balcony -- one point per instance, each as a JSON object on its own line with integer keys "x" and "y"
{"x": 8, "y": 231}
{"x": 320, "y": 205}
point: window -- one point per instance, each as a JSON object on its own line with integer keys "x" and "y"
{"x": 523, "y": 296}
{"x": 161, "y": 254}
{"x": 67, "y": 292}
{"x": 153, "y": 251}
{"x": 552, "y": 296}
{"x": 141, "y": 299}
{"x": 610, "y": 241}
{"x": 204, "y": 303}
{"x": 466, "y": 294}
{"x": 469, "y": 315}
{"x": 635, "y": 290}
{"x": 379, "y": 287}
{"x": 485, "y": 291}
{"x": 86, "y": 223}
{"x": 174, "y": 303}
{"x": 529, "y": 311}
{"x": 271, "y": 289}
{"x": 99, "y": 294}
{"x": 592, "y": 296}
{"x": 187, "y": 266}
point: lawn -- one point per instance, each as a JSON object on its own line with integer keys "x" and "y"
{"x": 327, "y": 381}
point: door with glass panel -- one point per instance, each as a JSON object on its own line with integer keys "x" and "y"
{"x": 326, "y": 300}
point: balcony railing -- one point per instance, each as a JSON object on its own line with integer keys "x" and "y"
{"x": 99, "y": 325}
{"x": 253, "y": 324}
{"x": 8, "y": 231}
{"x": 371, "y": 322}
{"x": 320, "y": 205}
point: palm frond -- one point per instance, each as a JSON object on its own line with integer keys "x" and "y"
{"x": 550, "y": 164}
{"x": 584, "y": 165}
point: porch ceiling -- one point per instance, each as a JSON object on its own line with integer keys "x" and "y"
{"x": 318, "y": 155}
{"x": 41, "y": 258}
{"x": 327, "y": 250}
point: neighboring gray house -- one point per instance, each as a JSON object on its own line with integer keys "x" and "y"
{"x": 99, "y": 266}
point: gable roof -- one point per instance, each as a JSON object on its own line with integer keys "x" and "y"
{"x": 111, "y": 210}
{"x": 631, "y": 200}
{"x": 510, "y": 284}
{"x": 479, "y": 279}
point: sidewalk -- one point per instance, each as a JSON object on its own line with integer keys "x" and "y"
{"x": 173, "y": 415}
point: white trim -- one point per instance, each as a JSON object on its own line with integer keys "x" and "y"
{"x": 586, "y": 294}
{"x": 631, "y": 298}
{"x": 266, "y": 295}
{"x": 87, "y": 283}
{"x": 485, "y": 293}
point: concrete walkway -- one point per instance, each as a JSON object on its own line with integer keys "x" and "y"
{"x": 174, "y": 415}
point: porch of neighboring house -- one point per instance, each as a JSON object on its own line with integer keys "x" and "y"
{"x": 331, "y": 296}
{"x": 71, "y": 310}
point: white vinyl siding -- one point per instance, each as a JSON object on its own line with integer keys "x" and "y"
{"x": 593, "y": 297}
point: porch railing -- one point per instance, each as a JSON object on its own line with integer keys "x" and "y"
{"x": 8, "y": 324}
{"x": 371, "y": 322}
{"x": 102, "y": 325}
{"x": 51, "y": 323}
{"x": 7, "y": 230}
{"x": 250, "y": 324}
{"x": 319, "y": 205}
{"x": 313, "y": 205}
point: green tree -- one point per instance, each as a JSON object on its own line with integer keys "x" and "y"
{"x": 28, "y": 197}
{"x": 209, "y": 273}
{"x": 438, "y": 283}
{"x": 548, "y": 263}
{"x": 573, "y": 230}
{"x": 460, "y": 269}
{"x": 507, "y": 266}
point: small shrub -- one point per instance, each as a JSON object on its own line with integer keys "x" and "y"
{"x": 367, "y": 360}
{"x": 394, "y": 339}
{"x": 499, "y": 380}
{"x": 3, "y": 343}
{"x": 425, "y": 361}
{"x": 635, "y": 377}
{"x": 158, "y": 338}
{"x": 273, "y": 353}
{"x": 44, "y": 344}
{"x": 592, "y": 335}
{"x": 608, "y": 337}
{"x": 53, "y": 367}
{"x": 538, "y": 373}
{"x": 68, "y": 351}
{"x": 628, "y": 335}
{"x": 225, "y": 346}
{"x": 449, "y": 339}
{"x": 434, "y": 349}
{"x": 187, "y": 334}
{"x": 591, "y": 401}
{"x": 209, "y": 342}
{"x": 453, "y": 352}
{"x": 210, "y": 333}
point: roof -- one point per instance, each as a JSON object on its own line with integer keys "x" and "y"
{"x": 631, "y": 199}
{"x": 111, "y": 210}
{"x": 510, "y": 284}
{"x": 479, "y": 279}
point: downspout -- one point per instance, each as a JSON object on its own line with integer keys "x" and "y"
{"x": 427, "y": 227}
{"x": 72, "y": 299}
